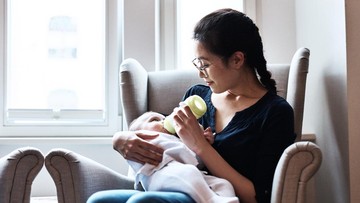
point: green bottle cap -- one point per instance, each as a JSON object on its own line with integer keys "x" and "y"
{"x": 197, "y": 105}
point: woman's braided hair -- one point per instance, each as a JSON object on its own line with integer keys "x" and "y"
{"x": 226, "y": 31}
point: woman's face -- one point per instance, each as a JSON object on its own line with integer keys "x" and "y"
{"x": 220, "y": 76}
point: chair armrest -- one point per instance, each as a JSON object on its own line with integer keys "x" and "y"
{"x": 299, "y": 162}
{"x": 77, "y": 177}
{"x": 18, "y": 170}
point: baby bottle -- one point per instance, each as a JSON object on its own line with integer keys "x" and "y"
{"x": 197, "y": 106}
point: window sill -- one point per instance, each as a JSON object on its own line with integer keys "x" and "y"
{"x": 29, "y": 140}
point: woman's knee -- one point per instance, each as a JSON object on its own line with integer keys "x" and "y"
{"x": 160, "y": 197}
{"x": 111, "y": 196}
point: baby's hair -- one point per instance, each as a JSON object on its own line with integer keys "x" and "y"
{"x": 133, "y": 127}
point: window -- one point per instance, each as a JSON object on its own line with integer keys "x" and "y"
{"x": 189, "y": 13}
{"x": 60, "y": 66}
{"x": 177, "y": 47}
{"x": 59, "y": 59}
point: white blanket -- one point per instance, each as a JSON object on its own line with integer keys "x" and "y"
{"x": 178, "y": 172}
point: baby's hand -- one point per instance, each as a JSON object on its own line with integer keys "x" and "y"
{"x": 209, "y": 135}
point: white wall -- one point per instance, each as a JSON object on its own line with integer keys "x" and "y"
{"x": 276, "y": 21}
{"x": 320, "y": 26}
{"x": 140, "y": 32}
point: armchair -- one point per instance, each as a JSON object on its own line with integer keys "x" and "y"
{"x": 77, "y": 177}
{"x": 18, "y": 169}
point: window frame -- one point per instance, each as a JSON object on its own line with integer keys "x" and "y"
{"x": 113, "y": 119}
{"x": 168, "y": 32}
{"x": 168, "y": 43}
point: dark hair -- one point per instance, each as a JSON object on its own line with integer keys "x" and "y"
{"x": 225, "y": 31}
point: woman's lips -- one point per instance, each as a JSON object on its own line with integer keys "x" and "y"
{"x": 208, "y": 82}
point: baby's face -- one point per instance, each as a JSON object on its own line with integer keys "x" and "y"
{"x": 149, "y": 121}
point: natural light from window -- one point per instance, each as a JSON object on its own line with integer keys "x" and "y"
{"x": 55, "y": 58}
{"x": 189, "y": 13}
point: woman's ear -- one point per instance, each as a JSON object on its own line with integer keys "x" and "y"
{"x": 238, "y": 59}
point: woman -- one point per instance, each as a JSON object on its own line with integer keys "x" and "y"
{"x": 252, "y": 124}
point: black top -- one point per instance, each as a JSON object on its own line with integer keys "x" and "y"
{"x": 254, "y": 139}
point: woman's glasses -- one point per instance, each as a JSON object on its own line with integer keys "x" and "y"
{"x": 199, "y": 64}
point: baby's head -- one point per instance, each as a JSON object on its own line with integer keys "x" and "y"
{"x": 149, "y": 121}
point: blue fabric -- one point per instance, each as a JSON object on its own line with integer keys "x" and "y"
{"x": 135, "y": 196}
{"x": 254, "y": 139}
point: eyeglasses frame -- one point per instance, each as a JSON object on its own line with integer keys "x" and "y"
{"x": 202, "y": 67}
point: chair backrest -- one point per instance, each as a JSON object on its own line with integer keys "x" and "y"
{"x": 161, "y": 91}
{"x": 291, "y": 84}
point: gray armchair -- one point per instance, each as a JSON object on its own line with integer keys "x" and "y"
{"x": 296, "y": 167}
{"x": 77, "y": 177}
{"x": 18, "y": 170}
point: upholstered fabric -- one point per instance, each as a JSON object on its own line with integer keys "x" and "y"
{"x": 297, "y": 85}
{"x": 18, "y": 170}
{"x": 157, "y": 91}
{"x": 134, "y": 83}
{"x": 296, "y": 166}
{"x": 77, "y": 177}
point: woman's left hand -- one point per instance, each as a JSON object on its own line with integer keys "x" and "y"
{"x": 188, "y": 129}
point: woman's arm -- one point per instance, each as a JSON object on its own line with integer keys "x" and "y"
{"x": 191, "y": 134}
{"x": 244, "y": 188}
{"x": 135, "y": 147}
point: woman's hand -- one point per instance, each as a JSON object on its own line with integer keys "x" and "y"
{"x": 209, "y": 136}
{"x": 134, "y": 146}
{"x": 189, "y": 130}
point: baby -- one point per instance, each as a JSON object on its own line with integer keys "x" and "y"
{"x": 178, "y": 170}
